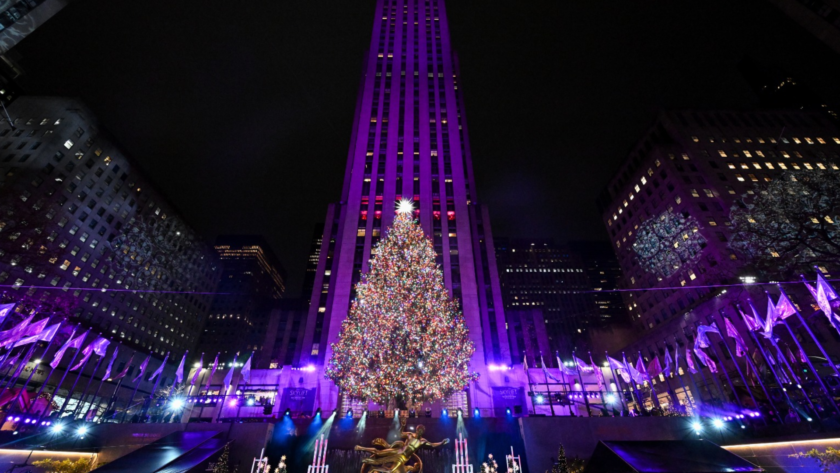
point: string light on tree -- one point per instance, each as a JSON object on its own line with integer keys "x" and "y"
{"x": 404, "y": 337}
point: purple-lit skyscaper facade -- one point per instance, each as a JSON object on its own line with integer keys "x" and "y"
{"x": 410, "y": 141}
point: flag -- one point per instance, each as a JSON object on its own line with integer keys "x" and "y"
{"x": 245, "y": 374}
{"x": 654, "y": 368}
{"x": 14, "y": 334}
{"x": 142, "y": 369}
{"x": 740, "y": 346}
{"x": 668, "y": 361}
{"x": 703, "y": 339}
{"x": 98, "y": 346}
{"x": 790, "y": 355}
{"x": 749, "y": 321}
{"x": 44, "y": 336}
{"x": 212, "y": 371}
{"x": 229, "y": 376}
{"x": 598, "y": 374}
{"x": 619, "y": 368}
{"x": 5, "y": 311}
{"x": 706, "y": 360}
{"x": 803, "y": 358}
{"x": 637, "y": 373}
{"x": 677, "y": 359}
{"x": 772, "y": 316}
{"x": 825, "y": 294}
{"x": 160, "y": 368}
{"x": 784, "y": 307}
{"x": 125, "y": 370}
{"x": 71, "y": 343}
{"x": 179, "y": 373}
{"x": 111, "y": 363}
{"x": 689, "y": 360}
{"x": 36, "y": 328}
{"x": 582, "y": 365}
{"x": 763, "y": 327}
{"x": 201, "y": 363}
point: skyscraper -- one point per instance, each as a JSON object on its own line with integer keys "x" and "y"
{"x": 410, "y": 140}
{"x": 251, "y": 283}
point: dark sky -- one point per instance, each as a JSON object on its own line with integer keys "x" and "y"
{"x": 241, "y": 112}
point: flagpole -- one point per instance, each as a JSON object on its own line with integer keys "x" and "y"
{"x": 654, "y": 398}
{"x": 175, "y": 381}
{"x": 795, "y": 377}
{"x": 78, "y": 377}
{"x": 582, "y": 385}
{"x": 43, "y": 356}
{"x": 617, "y": 384}
{"x": 84, "y": 393}
{"x": 769, "y": 365}
{"x": 131, "y": 399}
{"x": 819, "y": 345}
{"x": 16, "y": 373}
{"x": 679, "y": 376}
{"x": 715, "y": 377}
{"x": 738, "y": 367}
{"x": 101, "y": 382}
{"x": 830, "y": 317}
{"x": 58, "y": 386}
{"x": 695, "y": 388}
{"x": 47, "y": 379}
{"x": 226, "y": 388}
{"x": 154, "y": 389}
{"x": 667, "y": 380}
{"x": 635, "y": 390}
{"x": 816, "y": 375}
{"x": 192, "y": 381}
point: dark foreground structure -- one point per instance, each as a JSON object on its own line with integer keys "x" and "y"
{"x": 665, "y": 457}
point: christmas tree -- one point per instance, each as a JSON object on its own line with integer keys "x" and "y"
{"x": 404, "y": 337}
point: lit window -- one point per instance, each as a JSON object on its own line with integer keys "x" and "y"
{"x": 739, "y": 177}
{"x": 782, "y": 166}
{"x": 769, "y": 165}
{"x": 713, "y": 223}
{"x": 709, "y": 192}
{"x": 820, "y": 140}
{"x": 644, "y": 180}
{"x": 694, "y": 193}
{"x": 774, "y": 253}
{"x": 360, "y": 232}
{"x": 808, "y": 166}
{"x": 756, "y": 165}
{"x": 796, "y": 140}
{"x": 731, "y": 165}
{"x": 753, "y": 178}
{"x": 747, "y": 153}
{"x": 722, "y": 153}
{"x": 821, "y": 165}
{"x": 809, "y": 140}
{"x": 68, "y": 144}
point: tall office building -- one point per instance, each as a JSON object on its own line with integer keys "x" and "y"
{"x": 80, "y": 218}
{"x": 251, "y": 283}
{"x": 410, "y": 141}
{"x": 540, "y": 274}
{"x": 604, "y": 274}
{"x": 312, "y": 261}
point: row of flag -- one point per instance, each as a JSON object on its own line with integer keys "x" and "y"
{"x": 28, "y": 332}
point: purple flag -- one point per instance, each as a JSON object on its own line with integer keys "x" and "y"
{"x": 598, "y": 374}
{"x": 98, "y": 346}
{"x": 160, "y": 368}
{"x": 702, "y": 339}
{"x": 70, "y": 343}
{"x": 654, "y": 368}
{"x": 619, "y": 368}
{"x": 749, "y": 321}
{"x": 125, "y": 370}
{"x": 584, "y": 366}
{"x": 825, "y": 294}
{"x": 5, "y": 311}
{"x": 246, "y": 370}
{"x": 44, "y": 336}
{"x": 212, "y": 371}
{"x": 689, "y": 360}
{"x": 179, "y": 373}
{"x": 111, "y": 363}
{"x": 14, "y": 334}
{"x": 772, "y": 317}
{"x": 740, "y": 346}
{"x": 704, "y": 358}
{"x": 142, "y": 368}
{"x": 229, "y": 376}
{"x": 197, "y": 370}
{"x": 668, "y": 361}
{"x": 785, "y": 307}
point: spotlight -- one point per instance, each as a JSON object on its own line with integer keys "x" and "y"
{"x": 233, "y": 402}
{"x": 57, "y": 428}
{"x": 717, "y": 423}
{"x": 318, "y": 412}
{"x": 540, "y": 399}
{"x": 288, "y": 413}
{"x": 82, "y": 431}
{"x": 349, "y": 413}
{"x": 445, "y": 413}
{"x": 460, "y": 412}
{"x": 177, "y": 404}
{"x": 475, "y": 412}
{"x": 508, "y": 411}
{"x": 697, "y": 426}
{"x": 809, "y": 419}
{"x": 251, "y": 400}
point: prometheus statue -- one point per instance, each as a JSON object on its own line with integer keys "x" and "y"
{"x": 394, "y": 458}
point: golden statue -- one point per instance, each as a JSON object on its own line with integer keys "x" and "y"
{"x": 393, "y": 458}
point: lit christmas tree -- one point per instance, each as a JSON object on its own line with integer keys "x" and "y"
{"x": 404, "y": 338}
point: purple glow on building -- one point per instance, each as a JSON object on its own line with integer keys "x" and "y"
{"x": 410, "y": 141}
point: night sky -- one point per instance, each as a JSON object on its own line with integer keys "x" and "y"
{"x": 241, "y": 112}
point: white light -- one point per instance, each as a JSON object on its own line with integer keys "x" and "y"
{"x": 177, "y": 404}
{"x": 38, "y": 361}
{"x": 57, "y": 428}
{"x": 717, "y": 423}
{"x": 405, "y": 206}
{"x": 610, "y": 398}
{"x": 82, "y": 431}
{"x": 697, "y": 426}
{"x": 540, "y": 399}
